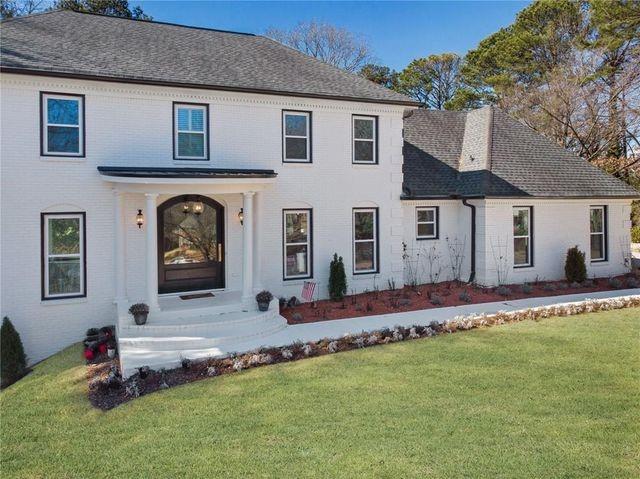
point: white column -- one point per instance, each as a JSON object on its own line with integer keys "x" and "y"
{"x": 151, "y": 224}
{"x": 247, "y": 246}
{"x": 119, "y": 253}
{"x": 257, "y": 231}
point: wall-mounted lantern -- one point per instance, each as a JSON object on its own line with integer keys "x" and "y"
{"x": 198, "y": 208}
{"x": 241, "y": 216}
{"x": 139, "y": 219}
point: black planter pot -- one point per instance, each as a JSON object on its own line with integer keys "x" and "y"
{"x": 140, "y": 318}
{"x": 263, "y": 306}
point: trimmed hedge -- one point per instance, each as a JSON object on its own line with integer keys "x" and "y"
{"x": 13, "y": 361}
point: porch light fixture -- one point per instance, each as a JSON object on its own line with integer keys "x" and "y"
{"x": 198, "y": 208}
{"x": 139, "y": 219}
{"x": 185, "y": 208}
{"x": 241, "y": 216}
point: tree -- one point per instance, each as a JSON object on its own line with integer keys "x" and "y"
{"x": 337, "y": 278}
{"x": 13, "y": 362}
{"x": 114, "y": 8}
{"x": 575, "y": 269}
{"x": 380, "y": 74}
{"x": 18, "y": 8}
{"x": 433, "y": 80}
{"x": 333, "y": 45}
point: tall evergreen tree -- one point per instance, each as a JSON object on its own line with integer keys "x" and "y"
{"x": 13, "y": 362}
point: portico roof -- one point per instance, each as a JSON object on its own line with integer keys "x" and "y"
{"x": 163, "y": 172}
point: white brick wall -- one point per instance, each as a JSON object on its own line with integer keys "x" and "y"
{"x": 131, "y": 125}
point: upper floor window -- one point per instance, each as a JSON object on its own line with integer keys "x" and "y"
{"x": 522, "y": 236}
{"x": 427, "y": 222}
{"x": 365, "y": 240}
{"x": 62, "y": 124}
{"x": 190, "y": 131}
{"x": 365, "y": 139}
{"x": 598, "y": 232}
{"x": 63, "y": 255}
{"x": 297, "y": 243}
{"x": 296, "y": 137}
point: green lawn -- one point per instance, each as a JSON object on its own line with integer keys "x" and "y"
{"x": 554, "y": 399}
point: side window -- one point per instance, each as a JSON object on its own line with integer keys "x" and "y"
{"x": 190, "y": 131}
{"x": 297, "y": 246}
{"x": 365, "y": 139}
{"x": 62, "y": 125}
{"x": 598, "y": 232}
{"x": 522, "y": 236}
{"x": 63, "y": 255}
{"x": 427, "y": 222}
{"x": 365, "y": 240}
{"x": 296, "y": 137}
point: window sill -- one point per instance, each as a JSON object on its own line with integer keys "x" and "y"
{"x": 428, "y": 239}
{"x": 64, "y": 159}
{"x": 597, "y": 262}
{"x": 365, "y": 165}
{"x": 524, "y": 266}
{"x": 298, "y": 163}
{"x": 295, "y": 281}
{"x": 63, "y": 301}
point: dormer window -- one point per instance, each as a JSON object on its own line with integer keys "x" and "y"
{"x": 190, "y": 131}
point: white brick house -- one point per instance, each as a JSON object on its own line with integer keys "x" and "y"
{"x": 134, "y": 170}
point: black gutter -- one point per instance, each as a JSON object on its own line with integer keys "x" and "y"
{"x": 472, "y": 276}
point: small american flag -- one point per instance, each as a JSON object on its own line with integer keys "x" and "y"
{"x": 307, "y": 290}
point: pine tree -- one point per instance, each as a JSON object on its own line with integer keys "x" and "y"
{"x": 13, "y": 362}
{"x": 337, "y": 278}
{"x": 575, "y": 268}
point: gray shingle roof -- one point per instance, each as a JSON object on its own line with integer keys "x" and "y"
{"x": 68, "y": 43}
{"x": 486, "y": 153}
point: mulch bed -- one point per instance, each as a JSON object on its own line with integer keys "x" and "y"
{"x": 447, "y": 293}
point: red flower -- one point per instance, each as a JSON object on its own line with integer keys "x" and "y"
{"x": 102, "y": 348}
{"x": 89, "y": 354}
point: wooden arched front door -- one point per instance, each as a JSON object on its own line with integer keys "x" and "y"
{"x": 190, "y": 244}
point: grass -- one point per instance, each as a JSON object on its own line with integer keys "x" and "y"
{"x": 554, "y": 399}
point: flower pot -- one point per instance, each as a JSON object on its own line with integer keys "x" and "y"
{"x": 140, "y": 318}
{"x": 263, "y": 306}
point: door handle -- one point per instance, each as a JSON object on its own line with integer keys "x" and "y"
{"x": 219, "y": 251}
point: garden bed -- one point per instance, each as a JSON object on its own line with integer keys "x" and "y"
{"x": 439, "y": 295}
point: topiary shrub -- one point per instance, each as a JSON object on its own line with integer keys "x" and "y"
{"x": 575, "y": 268}
{"x": 13, "y": 362}
{"x": 635, "y": 234}
{"x": 337, "y": 278}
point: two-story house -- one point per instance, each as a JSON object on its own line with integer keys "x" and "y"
{"x": 146, "y": 161}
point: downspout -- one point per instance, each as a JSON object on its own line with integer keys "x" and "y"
{"x": 472, "y": 276}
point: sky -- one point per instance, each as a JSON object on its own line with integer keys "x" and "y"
{"x": 397, "y": 31}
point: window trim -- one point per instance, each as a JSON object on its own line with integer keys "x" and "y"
{"x": 284, "y": 136}
{"x": 374, "y": 118}
{"x": 604, "y": 234}
{"x": 174, "y": 129}
{"x": 529, "y": 236}
{"x": 81, "y": 125}
{"x": 435, "y": 222}
{"x": 376, "y": 240}
{"x": 44, "y": 255}
{"x": 309, "y": 243}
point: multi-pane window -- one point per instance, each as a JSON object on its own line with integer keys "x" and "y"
{"x": 296, "y": 131}
{"x": 63, "y": 255}
{"x": 191, "y": 131}
{"x": 62, "y": 124}
{"x": 364, "y": 139}
{"x": 598, "y": 231}
{"x": 365, "y": 240}
{"x": 297, "y": 243}
{"x": 427, "y": 222}
{"x": 522, "y": 236}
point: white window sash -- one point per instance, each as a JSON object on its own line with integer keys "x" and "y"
{"x": 369, "y": 140}
{"x": 373, "y": 240}
{"x": 306, "y": 243}
{"x": 79, "y": 255}
{"x": 46, "y": 124}
{"x": 177, "y": 130}
{"x": 527, "y": 236}
{"x": 307, "y": 137}
{"x": 601, "y": 233}
{"x": 434, "y": 223}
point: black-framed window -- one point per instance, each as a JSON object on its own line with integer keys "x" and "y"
{"x": 296, "y": 136}
{"x": 190, "y": 131}
{"x": 598, "y": 233}
{"x": 365, "y": 241}
{"x": 64, "y": 255}
{"x": 62, "y": 125}
{"x": 427, "y": 218}
{"x": 522, "y": 236}
{"x": 365, "y": 139}
{"x": 297, "y": 237}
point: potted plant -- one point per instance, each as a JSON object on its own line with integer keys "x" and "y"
{"x": 111, "y": 350}
{"x": 263, "y": 299}
{"x": 139, "y": 311}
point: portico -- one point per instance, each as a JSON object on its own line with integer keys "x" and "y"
{"x": 186, "y": 196}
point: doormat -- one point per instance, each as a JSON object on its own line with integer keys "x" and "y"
{"x": 196, "y": 296}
